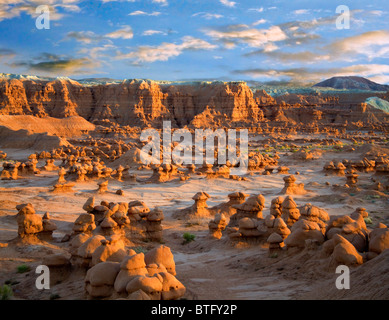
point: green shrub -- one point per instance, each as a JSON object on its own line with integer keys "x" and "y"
{"x": 368, "y": 220}
{"x": 23, "y": 268}
{"x": 188, "y": 237}
{"x": 5, "y": 292}
{"x": 140, "y": 250}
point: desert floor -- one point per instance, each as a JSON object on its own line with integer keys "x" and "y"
{"x": 209, "y": 268}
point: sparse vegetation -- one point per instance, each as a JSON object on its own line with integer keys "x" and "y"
{"x": 188, "y": 237}
{"x": 23, "y": 268}
{"x": 6, "y": 292}
{"x": 140, "y": 249}
{"x": 368, "y": 220}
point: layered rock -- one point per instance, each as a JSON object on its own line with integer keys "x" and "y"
{"x": 290, "y": 212}
{"x": 228, "y": 208}
{"x": 291, "y": 187}
{"x": 136, "y": 277}
{"x": 217, "y": 225}
{"x": 251, "y": 208}
{"x": 198, "y": 210}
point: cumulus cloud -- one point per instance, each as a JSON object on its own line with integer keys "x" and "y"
{"x": 98, "y": 51}
{"x": 228, "y": 3}
{"x": 88, "y": 37}
{"x": 123, "y": 33}
{"x": 242, "y": 34}
{"x": 369, "y": 45}
{"x": 153, "y": 32}
{"x": 14, "y": 8}
{"x": 372, "y": 44}
{"x": 161, "y": 2}
{"x": 165, "y": 51}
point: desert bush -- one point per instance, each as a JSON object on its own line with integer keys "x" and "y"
{"x": 5, "y": 292}
{"x": 188, "y": 237}
{"x": 23, "y": 268}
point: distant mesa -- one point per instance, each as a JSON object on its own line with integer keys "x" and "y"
{"x": 352, "y": 83}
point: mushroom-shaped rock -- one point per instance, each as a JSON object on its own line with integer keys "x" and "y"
{"x": 130, "y": 267}
{"x": 111, "y": 249}
{"x": 345, "y": 253}
{"x": 155, "y": 268}
{"x": 379, "y": 240}
{"x": 100, "y": 279}
{"x": 89, "y": 204}
{"x": 291, "y": 187}
{"x": 103, "y": 186}
{"x": 290, "y": 212}
{"x": 172, "y": 289}
{"x": 304, "y": 230}
{"x": 89, "y": 246}
{"x": 217, "y": 225}
{"x": 152, "y": 286}
{"x": 275, "y": 241}
{"x": 84, "y": 223}
{"x": 162, "y": 255}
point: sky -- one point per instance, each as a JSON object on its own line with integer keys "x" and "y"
{"x": 176, "y": 40}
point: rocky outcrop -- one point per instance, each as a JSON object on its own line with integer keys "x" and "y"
{"x": 202, "y": 104}
{"x": 132, "y": 102}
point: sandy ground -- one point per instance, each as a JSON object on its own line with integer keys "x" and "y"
{"x": 209, "y": 268}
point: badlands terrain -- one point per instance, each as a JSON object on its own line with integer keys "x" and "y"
{"x": 76, "y": 196}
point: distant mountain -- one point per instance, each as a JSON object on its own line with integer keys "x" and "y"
{"x": 357, "y": 83}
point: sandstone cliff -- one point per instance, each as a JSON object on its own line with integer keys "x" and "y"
{"x": 146, "y": 103}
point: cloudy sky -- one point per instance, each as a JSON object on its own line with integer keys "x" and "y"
{"x": 278, "y": 40}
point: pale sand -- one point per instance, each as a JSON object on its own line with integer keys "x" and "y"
{"x": 210, "y": 269}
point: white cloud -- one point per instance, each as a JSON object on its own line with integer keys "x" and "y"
{"x": 142, "y": 13}
{"x": 301, "y": 11}
{"x": 97, "y": 52}
{"x": 207, "y": 15}
{"x": 258, "y": 22}
{"x": 161, "y": 2}
{"x": 124, "y": 33}
{"x": 228, "y": 3}
{"x": 372, "y": 44}
{"x": 256, "y": 9}
{"x": 88, "y": 37}
{"x": 153, "y": 32}
{"x": 165, "y": 51}
{"x": 252, "y": 37}
{"x": 14, "y": 8}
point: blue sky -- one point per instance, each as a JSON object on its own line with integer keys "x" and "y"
{"x": 196, "y": 40}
